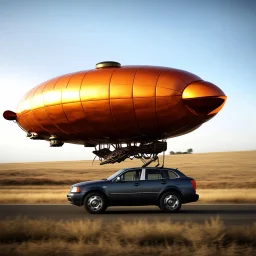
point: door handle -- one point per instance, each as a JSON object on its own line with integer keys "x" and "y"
{"x": 163, "y": 182}
{"x": 136, "y": 184}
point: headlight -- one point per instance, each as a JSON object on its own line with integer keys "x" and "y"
{"x": 75, "y": 190}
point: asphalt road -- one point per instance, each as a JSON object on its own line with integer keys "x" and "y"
{"x": 229, "y": 214}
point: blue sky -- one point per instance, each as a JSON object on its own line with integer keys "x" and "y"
{"x": 215, "y": 40}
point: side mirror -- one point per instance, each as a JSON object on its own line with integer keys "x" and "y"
{"x": 118, "y": 179}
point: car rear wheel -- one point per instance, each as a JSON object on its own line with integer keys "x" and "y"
{"x": 170, "y": 202}
{"x": 95, "y": 203}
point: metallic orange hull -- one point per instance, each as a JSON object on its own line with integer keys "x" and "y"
{"x": 119, "y": 104}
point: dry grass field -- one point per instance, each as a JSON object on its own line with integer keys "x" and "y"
{"x": 221, "y": 177}
{"x": 211, "y": 170}
{"x": 48, "y": 237}
{"x": 57, "y": 194}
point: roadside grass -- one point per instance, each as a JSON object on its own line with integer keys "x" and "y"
{"x": 140, "y": 237}
{"x": 241, "y": 196}
{"x": 57, "y": 194}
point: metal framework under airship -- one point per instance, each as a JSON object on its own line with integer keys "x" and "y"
{"x": 147, "y": 152}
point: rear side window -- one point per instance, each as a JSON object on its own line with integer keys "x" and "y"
{"x": 154, "y": 175}
{"x": 172, "y": 175}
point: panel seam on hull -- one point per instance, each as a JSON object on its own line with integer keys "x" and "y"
{"x": 29, "y": 111}
{"x": 48, "y": 114}
{"x": 65, "y": 103}
{"x": 27, "y": 124}
{"x": 62, "y": 104}
{"x": 136, "y": 121}
{"x": 87, "y": 121}
{"x": 140, "y": 97}
{"x": 110, "y": 107}
{"x": 32, "y": 110}
{"x": 159, "y": 127}
{"x": 169, "y": 88}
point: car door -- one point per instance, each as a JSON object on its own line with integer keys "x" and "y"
{"x": 155, "y": 181}
{"x": 127, "y": 191}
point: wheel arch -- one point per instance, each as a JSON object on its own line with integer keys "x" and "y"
{"x": 98, "y": 190}
{"x": 170, "y": 189}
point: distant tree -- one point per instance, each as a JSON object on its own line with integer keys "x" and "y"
{"x": 172, "y": 152}
{"x": 190, "y": 150}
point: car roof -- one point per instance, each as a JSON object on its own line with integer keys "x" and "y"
{"x": 157, "y": 168}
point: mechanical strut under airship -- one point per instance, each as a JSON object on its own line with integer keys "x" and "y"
{"x": 132, "y": 108}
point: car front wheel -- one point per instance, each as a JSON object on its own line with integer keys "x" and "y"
{"x": 95, "y": 203}
{"x": 170, "y": 202}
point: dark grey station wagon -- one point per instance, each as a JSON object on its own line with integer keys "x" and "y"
{"x": 165, "y": 187}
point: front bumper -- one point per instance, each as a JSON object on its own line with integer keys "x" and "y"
{"x": 75, "y": 198}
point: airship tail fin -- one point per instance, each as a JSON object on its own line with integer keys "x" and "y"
{"x": 9, "y": 115}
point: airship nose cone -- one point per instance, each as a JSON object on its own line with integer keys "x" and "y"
{"x": 204, "y": 98}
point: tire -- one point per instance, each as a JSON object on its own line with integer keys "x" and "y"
{"x": 170, "y": 202}
{"x": 95, "y": 202}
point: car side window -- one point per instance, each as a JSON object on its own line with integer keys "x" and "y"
{"x": 172, "y": 175}
{"x": 154, "y": 175}
{"x": 131, "y": 175}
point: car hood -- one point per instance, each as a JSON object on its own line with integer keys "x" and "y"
{"x": 87, "y": 183}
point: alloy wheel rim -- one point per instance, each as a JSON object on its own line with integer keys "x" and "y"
{"x": 171, "y": 202}
{"x": 95, "y": 203}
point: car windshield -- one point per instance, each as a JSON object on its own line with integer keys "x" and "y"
{"x": 114, "y": 175}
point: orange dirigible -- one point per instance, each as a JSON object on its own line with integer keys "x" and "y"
{"x": 136, "y": 106}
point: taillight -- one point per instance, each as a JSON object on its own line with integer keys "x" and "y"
{"x": 193, "y": 182}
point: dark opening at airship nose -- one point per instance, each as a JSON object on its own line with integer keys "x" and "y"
{"x": 204, "y": 98}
